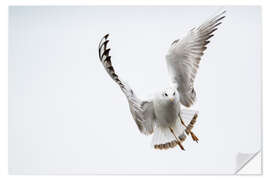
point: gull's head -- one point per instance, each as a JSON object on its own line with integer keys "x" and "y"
{"x": 169, "y": 95}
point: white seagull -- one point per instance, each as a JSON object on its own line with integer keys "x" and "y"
{"x": 162, "y": 115}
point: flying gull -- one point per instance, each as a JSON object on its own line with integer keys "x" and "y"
{"x": 162, "y": 114}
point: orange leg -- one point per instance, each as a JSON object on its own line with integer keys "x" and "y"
{"x": 188, "y": 129}
{"x": 177, "y": 140}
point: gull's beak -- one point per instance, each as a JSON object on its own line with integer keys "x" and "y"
{"x": 172, "y": 99}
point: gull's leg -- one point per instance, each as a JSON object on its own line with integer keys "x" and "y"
{"x": 177, "y": 140}
{"x": 190, "y": 126}
{"x": 194, "y": 137}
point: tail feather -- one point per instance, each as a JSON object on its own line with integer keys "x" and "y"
{"x": 163, "y": 137}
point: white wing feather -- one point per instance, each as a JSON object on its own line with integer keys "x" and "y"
{"x": 184, "y": 56}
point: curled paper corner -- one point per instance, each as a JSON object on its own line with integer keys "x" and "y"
{"x": 248, "y": 163}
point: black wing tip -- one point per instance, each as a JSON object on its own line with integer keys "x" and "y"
{"x": 221, "y": 18}
{"x": 222, "y": 14}
{"x": 106, "y": 36}
{"x": 106, "y": 53}
{"x": 102, "y": 39}
{"x": 103, "y": 44}
{"x": 106, "y": 42}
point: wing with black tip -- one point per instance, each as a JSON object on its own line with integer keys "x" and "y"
{"x": 142, "y": 111}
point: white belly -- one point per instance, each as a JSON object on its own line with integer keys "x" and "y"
{"x": 166, "y": 114}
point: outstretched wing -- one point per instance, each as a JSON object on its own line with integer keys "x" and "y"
{"x": 184, "y": 57}
{"x": 142, "y": 111}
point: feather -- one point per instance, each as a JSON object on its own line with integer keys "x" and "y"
{"x": 184, "y": 56}
{"x": 142, "y": 111}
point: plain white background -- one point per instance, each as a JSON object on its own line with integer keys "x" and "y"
{"x": 67, "y": 116}
{"x": 4, "y": 72}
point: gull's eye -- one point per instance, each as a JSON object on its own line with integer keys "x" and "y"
{"x": 166, "y": 94}
{"x": 173, "y": 93}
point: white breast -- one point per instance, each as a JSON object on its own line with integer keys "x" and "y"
{"x": 166, "y": 112}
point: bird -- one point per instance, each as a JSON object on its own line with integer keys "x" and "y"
{"x": 162, "y": 115}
